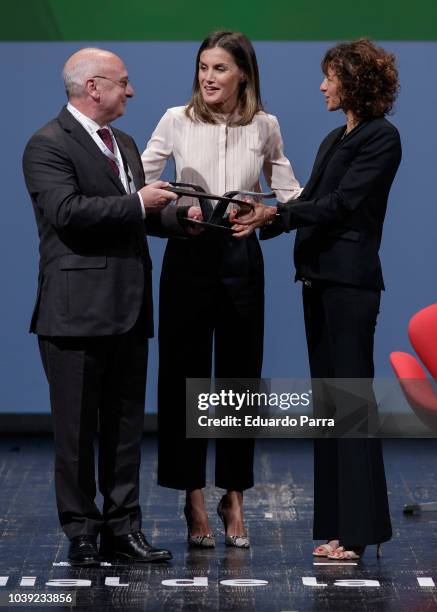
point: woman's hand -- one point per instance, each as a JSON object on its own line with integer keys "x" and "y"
{"x": 194, "y": 212}
{"x": 244, "y": 225}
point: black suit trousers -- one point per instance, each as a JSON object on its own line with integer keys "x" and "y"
{"x": 211, "y": 302}
{"x": 97, "y": 383}
{"x": 350, "y": 492}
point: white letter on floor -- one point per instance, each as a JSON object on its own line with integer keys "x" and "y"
{"x": 114, "y": 581}
{"x": 198, "y": 581}
{"x": 357, "y": 583}
{"x": 66, "y": 582}
{"x": 312, "y": 582}
{"x": 243, "y": 582}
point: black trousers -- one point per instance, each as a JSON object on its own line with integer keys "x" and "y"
{"x": 350, "y": 492}
{"x": 96, "y": 383}
{"x": 211, "y": 300}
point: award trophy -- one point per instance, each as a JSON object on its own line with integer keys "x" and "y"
{"x": 216, "y": 217}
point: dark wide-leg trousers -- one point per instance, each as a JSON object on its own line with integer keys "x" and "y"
{"x": 211, "y": 301}
{"x": 97, "y": 381}
{"x": 350, "y": 492}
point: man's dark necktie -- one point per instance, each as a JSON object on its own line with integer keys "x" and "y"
{"x": 105, "y": 135}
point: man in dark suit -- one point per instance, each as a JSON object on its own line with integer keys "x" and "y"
{"x": 93, "y": 313}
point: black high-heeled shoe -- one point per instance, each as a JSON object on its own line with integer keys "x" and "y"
{"x": 238, "y": 541}
{"x": 200, "y": 541}
{"x": 352, "y": 553}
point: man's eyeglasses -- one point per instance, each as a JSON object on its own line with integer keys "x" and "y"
{"x": 123, "y": 83}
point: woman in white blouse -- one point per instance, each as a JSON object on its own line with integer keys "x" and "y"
{"x": 211, "y": 284}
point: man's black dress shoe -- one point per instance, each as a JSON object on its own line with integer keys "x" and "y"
{"x": 83, "y": 551}
{"x": 131, "y": 548}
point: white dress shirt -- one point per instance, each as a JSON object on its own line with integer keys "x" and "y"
{"x": 92, "y": 128}
{"x": 220, "y": 157}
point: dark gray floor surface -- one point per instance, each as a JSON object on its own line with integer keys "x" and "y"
{"x": 278, "y": 516}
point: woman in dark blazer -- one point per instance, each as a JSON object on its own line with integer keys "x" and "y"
{"x": 339, "y": 217}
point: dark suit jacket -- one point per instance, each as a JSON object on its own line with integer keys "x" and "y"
{"x": 341, "y": 211}
{"x": 95, "y": 269}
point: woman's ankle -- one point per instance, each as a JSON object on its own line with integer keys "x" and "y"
{"x": 233, "y": 499}
{"x": 194, "y": 499}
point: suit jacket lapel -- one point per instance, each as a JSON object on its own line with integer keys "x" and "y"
{"x": 130, "y": 157}
{"x": 334, "y": 142}
{"x": 321, "y": 160}
{"x": 76, "y": 131}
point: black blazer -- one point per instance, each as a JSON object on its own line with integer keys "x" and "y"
{"x": 95, "y": 269}
{"x": 341, "y": 211}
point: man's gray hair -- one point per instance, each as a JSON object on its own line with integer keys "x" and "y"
{"x": 81, "y": 66}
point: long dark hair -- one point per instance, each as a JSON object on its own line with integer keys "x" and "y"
{"x": 249, "y": 95}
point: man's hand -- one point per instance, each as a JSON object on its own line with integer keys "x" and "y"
{"x": 194, "y": 212}
{"x": 244, "y": 225}
{"x": 156, "y": 197}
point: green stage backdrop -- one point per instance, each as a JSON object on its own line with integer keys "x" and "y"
{"x": 138, "y": 20}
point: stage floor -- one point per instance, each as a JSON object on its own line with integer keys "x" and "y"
{"x": 278, "y": 516}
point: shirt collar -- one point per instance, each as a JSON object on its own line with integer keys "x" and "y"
{"x": 89, "y": 124}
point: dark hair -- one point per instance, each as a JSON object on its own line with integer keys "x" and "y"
{"x": 249, "y": 96}
{"x": 368, "y": 77}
